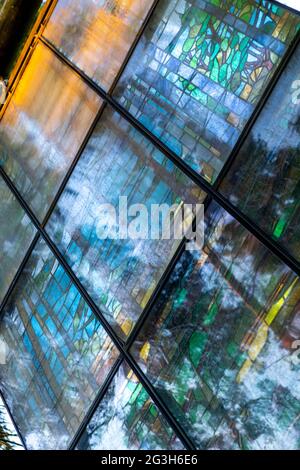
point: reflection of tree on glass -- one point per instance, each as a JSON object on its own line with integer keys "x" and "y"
{"x": 265, "y": 178}
{"x": 217, "y": 343}
{"x": 199, "y": 70}
{"x": 15, "y": 237}
{"x": 96, "y": 35}
{"x": 9, "y": 439}
{"x": 120, "y": 275}
{"x": 43, "y": 127}
{"x": 59, "y": 354}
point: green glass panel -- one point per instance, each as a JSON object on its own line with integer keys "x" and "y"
{"x": 16, "y": 234}
{"x": 58, "y": 354}
{"x": 127, "y": 419}
{"x": 224, "y": 357}
{"x": 198, "y": 73}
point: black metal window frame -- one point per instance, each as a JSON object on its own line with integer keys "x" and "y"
{"x": 212, "y": 192}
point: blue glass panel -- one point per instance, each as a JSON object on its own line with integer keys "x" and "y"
{"x": 200, "y": 69}
{"x": 51, "y": 374}
{"x": 127, "y": 419}
{"x": 119, "y": 274}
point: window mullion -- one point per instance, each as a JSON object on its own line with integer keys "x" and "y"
{"x": 107, "y": 327}
{"x": 243, "y": 219}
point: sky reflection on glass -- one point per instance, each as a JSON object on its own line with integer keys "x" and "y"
{"x": 58, "y": 354}
{"x": 43, "y": 127}
{"x": 200, "y": 69}
{"x": 218, "y": 343}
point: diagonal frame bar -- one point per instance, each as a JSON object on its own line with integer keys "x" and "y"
{"x": 13, "y": 420}
{"x": 212, "y": 192}
{"x": 108, "y": 328}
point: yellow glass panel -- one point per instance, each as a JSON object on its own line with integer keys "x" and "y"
{"x": 96, "y": 35}
{"x": 43, "y": 127}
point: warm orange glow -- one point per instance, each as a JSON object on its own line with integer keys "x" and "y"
{"x": 44, "y": 125}
{"x": 102, "y": 36}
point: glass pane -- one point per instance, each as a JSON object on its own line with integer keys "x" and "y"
{"x": 9, "y": 439}
{"x": 127, "y": 419}
{"x": 44, "y": 126}
{"x": 120, "y": 274}
{"x": 96, "y": 35}
{"x": 198, "y": 73}
{"x": 58, "y": 354}
{"x": 264, "y": 180}
{"x": 16, "y": 235}
{"x": 218, "y": 343}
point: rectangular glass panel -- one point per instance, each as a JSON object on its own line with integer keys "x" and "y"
{"x": 264, "y": 180}
{"x": 44, "y": 126}
{"x": 58, "y": 354}
{"x": 218, "y": 345}
{"x": 9, "y": 439}
{"x": 16, "y": 235}
{"x": 127, "y": 419}
{"x": 119, "y": 274}
{"x": 199, "y": 70}
{"x": 96, "y": 35}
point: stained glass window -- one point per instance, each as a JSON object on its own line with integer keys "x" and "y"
{"x": 199, "y": 70}
{"x": 127, "y": 419}
{"x": 44, "y": 126}
{"x": 119, "y": 274}
{"x": 217, "y": 344}
{"x": 16, "y": 234}
{"x": 58, "y": 353}
{"x": 264, "y": 180}
{"x": 96, "y": 35}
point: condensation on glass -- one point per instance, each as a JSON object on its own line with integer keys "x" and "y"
{"x": 219, "y": 345}
{"x": 16, "y": 234}
{"x": 119, "y": 274}
{"x": 96, "y": 35}
{"x": 58, "y": 354}
{"x": 43, "y": 127}
{"x": 200, "y": 69}
{"x": 127, "y": 419}
{"x": 264, "y": 180}
{"x": 9, "y": 439}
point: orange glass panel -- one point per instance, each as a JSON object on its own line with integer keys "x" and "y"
{"x": 96, "y": 35}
